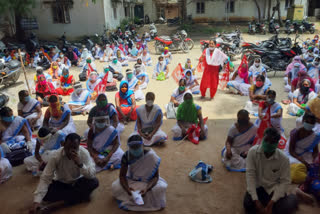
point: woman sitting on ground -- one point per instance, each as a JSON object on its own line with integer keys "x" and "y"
{"x": 134, "y": 85}
{"x": 146, "y": 58}
{"x": 240, "y": 139}
{"x": 258, "y": 69}
{"x": 139, "y": 175}
{"x": 300, "y": 98}
{"x": 92, "y": 83}
{"x": 302, "y": 148}
{"x": 126, "y": 103}
{"x": 188, "y": 66}
{"x": 161, "y": 67}
{"x": 66, "y": 83}
{"x": 189, "y": 114}
{"x": 141, "y": 75}
{"x": 55, "y": 72}
{"x": 44, "y": 89}
{"x": 30, "y": 109}
{"x": 104, "y": 143}
{"x": 241, "y": 80}
{"x": 257, "y": 93}
{"x": 16, "y": 131}
{"x": 5, "y": 168}
{"x": 192, "y": 83}
{"x": 58, "y": 117}
{"x": 80, "y": 100}
{"x": 121, "y": 58}
{"x": 46, "y": 144}
{"x": 149, "y": 122}
{"x": 297, "y": 82}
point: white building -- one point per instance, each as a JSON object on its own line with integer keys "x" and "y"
{"x": 80, "y": 17}
{"x": 237, "y": 10}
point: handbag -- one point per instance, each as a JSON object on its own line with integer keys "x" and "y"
{"x": 16, "y": 156}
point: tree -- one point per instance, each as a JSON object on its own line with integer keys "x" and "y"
{"x": 259, "y": 11}
{"x": 16, "y": 9}
{"x": 279, "y": 13}
{"x": 269, "y": 10}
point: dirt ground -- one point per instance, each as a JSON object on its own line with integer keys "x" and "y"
{"x": 223, "y": 195}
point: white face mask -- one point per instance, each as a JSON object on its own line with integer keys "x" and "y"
{"x": 211, "y": 49}
{"x": 149, "y": 103}
{"x": 257, "y": 64}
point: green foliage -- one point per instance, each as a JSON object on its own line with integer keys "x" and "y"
{"x": 21, "y": 7}
{"x": 125, "y": 22}
{"x": 187, "y": 28}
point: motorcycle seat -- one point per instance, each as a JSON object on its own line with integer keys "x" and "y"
{"x": 165, "y": 37}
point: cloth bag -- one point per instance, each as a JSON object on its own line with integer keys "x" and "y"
{"x": 201, "y": 172}
{"x": 171, "y": 111}
{"x": 161, "y": 76}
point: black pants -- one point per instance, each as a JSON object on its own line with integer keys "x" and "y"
{"x": 117, "y": 76}
{"x": 74, "y": 62}
{"x": 287, "y": 204}
{"x": 71, "y": 193}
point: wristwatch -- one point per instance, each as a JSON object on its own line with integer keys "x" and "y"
{"x": 80, "y": 165}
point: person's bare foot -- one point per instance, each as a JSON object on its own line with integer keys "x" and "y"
{"x": 202, "y": 97}
{"x": 304, "y": 197}
{"x": 111, "y": 167}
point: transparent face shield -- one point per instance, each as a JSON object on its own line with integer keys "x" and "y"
{"x": 135, "y": 150}
{"x": 101, "y": 122}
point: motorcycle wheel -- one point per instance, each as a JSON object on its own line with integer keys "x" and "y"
{"x": 157, "y": 47}
{"x": 312, "y": 31}
{"x": 190, "y": 44}
{"x": 185, "y": 47}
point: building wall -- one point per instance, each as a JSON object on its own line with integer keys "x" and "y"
{"x": 172, "y": 12}
{"x": 84, "y": 20}
{"x": 150, "y": 9}
{"x": 244, "y": 10}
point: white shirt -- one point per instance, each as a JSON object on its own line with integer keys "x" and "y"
{"x": 62, "y": 169}
{"x": 272, "y": 174}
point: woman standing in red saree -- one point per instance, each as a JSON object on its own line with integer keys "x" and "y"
{"x": 211, "y": 58}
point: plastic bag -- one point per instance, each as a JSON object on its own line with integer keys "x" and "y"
{"x": 161, "y": 76}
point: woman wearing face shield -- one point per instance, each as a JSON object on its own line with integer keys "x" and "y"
{"x": 84, "y": 55}
{"x": 139, "y": 176}
{"x": 92, "y": 83}
{"x": 149, "y": 122}
{"x": 80, "y": 100}
{"x": 46, "y": 144}
{"x": 104, "y": 143}
{"x": 302, "y": 148}
{"x": 301, "y": 96}
{"x": 290, "y": 67}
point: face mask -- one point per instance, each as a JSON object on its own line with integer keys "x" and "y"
{"x": 189, "y": 101}
{"x": 304, "y": 90}
{"x": 100, "y": 125}
{"x": 106, "y": 70}
{"x": 270, "y": 101}
{"x": 308, "y": 126}
{"x": 55, "y": 67}
{"x": 211, "y": 49}
{"x": 43, "y": 82}
{"x": 308, "y": 41}
{"x": 102, "y": 104}
{"x": 149, "y": 103}
{"x": 269, "y": 148}
{"x": 161, "y": 62}
{"x": 8, "y": 119}
{"x": 257, "y": 64}
{"x": 189, "y": 64}
{"x": 88, "y": 60}
{"x": 188, "y": 77}
{"x": 130, "y": 76}
{"x": 115, "y": 61}
{"x": 136, "y": 152}
{"x": 259, "y": 84}
{"x": 181, "y": 88}
{"x": 242, "y": 122}
{"x": 36, "y": 53}
{"x": 124, "y": 90}
{"x": 61, "y": 56}
{"x": 66, "y": 75}
{"x": 27, "y": 99}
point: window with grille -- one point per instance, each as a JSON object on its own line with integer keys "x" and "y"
{"x": 230, "y": 6}
{"x": 60, "y": 11}
{"x": 200, "y": 7}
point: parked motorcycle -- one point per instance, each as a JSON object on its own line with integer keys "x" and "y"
{"x": 273, "y": 26}
{"x": 4, "y": 99}
{"x": 9, "y": 72}
{"x": 257, "y": 28}
{"x": 251, "y": 28}
{"x": 32, "y": 43}
{"x": 176, "y": 43}
{"x": 290, "y": 28}
{"x": 306, "y": 26}
{"x": 174, "y": 21}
